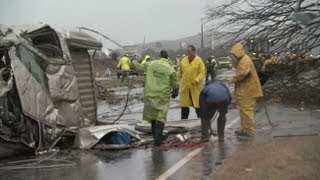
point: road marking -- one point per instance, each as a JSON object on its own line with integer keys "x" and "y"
{"x": 179, "y": 164}
{"x": 137, "y": 108}
{"x": 193, "y": 153}
{"x": 233, "y": 122}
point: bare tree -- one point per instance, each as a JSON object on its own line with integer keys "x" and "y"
{"x": 284, "y": 22}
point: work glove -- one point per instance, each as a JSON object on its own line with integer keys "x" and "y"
{"x": 175, "y": 92}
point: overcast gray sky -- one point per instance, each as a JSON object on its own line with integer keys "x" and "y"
{"x": 126, "y": 21}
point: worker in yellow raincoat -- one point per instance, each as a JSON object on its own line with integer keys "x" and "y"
{"x": 146, "y": 59}
{"x": 247, "y": 90}
{"x": 159, "y": 86}
{"x": 191, "y": 73}
{"x": 125, "y": 66}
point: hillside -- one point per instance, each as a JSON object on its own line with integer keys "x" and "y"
{"x": 176, "y": 44}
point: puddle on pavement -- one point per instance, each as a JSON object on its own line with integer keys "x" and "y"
{"x": 129, "y": 164}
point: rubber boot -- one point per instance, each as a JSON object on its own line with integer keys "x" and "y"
{"x": 221, "y": 125}
{"x": 158, "y": 130}
{"x": 205, "y": 123}
{"x": 184, "y": 112}
{"x": 152, "y": 128}
{"x": 198, "y": 112}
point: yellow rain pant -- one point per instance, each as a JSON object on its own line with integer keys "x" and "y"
{"x": 247, "y": 107}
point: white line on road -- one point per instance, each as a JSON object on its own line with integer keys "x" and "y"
{"x": 137, "y": 108}
{"x": 233, "y": 122}
{"x": 179, "y": 164}
{"x": 193, "y": 153}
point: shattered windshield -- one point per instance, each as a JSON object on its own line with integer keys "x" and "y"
{"x": 35, "y": 65}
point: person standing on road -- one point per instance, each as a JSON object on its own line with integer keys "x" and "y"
{"x": 247, "y": 90}
{"x": 214, "y": 96}
{"x": 125, "y": 66}
{"x": 211, "y": 68}
{"x": 191, "y": 73}
{"x": 160, "y": 84}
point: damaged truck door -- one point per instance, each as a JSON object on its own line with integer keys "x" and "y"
{"x": 47, "y": 85}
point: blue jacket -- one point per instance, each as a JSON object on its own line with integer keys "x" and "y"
{"x": 216, "y": 92}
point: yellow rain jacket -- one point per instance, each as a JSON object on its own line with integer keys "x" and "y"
{"x": 214, "y": 62}
{"x": 146, "y": 59}
{"x": 124, "y": 64}
{"x": 188, "y": 72}
{"x": 160, "y": 80}
{"x": 247, "y": 84}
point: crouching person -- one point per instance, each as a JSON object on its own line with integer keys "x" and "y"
{"x": 215, "y": 96}
{"x": 159, "y": 84}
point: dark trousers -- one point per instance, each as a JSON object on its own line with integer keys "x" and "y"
{"x": 185, "y": 112}
{"x": 125, "y": 74}
{"x": 157, "y": 128}
{"x": 212, "y": 74}
{"x": 207, "y": 111}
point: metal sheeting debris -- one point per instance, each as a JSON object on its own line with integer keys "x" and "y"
{"x": 86, "y": 138}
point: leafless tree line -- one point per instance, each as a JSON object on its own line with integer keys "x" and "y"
{"x": 270, "y": 19}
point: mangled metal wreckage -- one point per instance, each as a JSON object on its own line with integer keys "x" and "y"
{"x": 46, "y": 86}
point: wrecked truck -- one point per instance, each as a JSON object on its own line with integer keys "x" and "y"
{"x": 47, "y": 86}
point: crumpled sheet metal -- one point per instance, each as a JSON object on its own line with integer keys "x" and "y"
{"x": 5, "y": 86}
{"x": 34, "y": 100}
{"x": 7, "y": 38}
{"x": 87, "y": 137}
{"x": 181, "y": 126}
{"x": 64, "y": 93}
{"x": 62, "y": 82}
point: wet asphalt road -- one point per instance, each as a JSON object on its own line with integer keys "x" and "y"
{"x": 128, "y": 164}
{"x": 194, "y": 162}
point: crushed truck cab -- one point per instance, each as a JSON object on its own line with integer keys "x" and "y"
{"x": 49, "y": 84}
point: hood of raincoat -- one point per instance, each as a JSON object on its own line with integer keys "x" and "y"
{"x": 247, "y": 84}
{"x": 147, "y": 57}
{"x": 238, "y": 50}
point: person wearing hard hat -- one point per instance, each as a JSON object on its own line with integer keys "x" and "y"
{"x": 190, "y": 74}
{"x": 247, "y": 90}
{"x": 125, "y": 66}
{"x": 160, "y": 84}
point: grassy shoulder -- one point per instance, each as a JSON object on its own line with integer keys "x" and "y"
{"x": 285, "y": 158}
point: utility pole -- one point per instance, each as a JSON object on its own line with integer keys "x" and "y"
{"x": 212, "y": 41}
{"x": 202, "y": 34}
